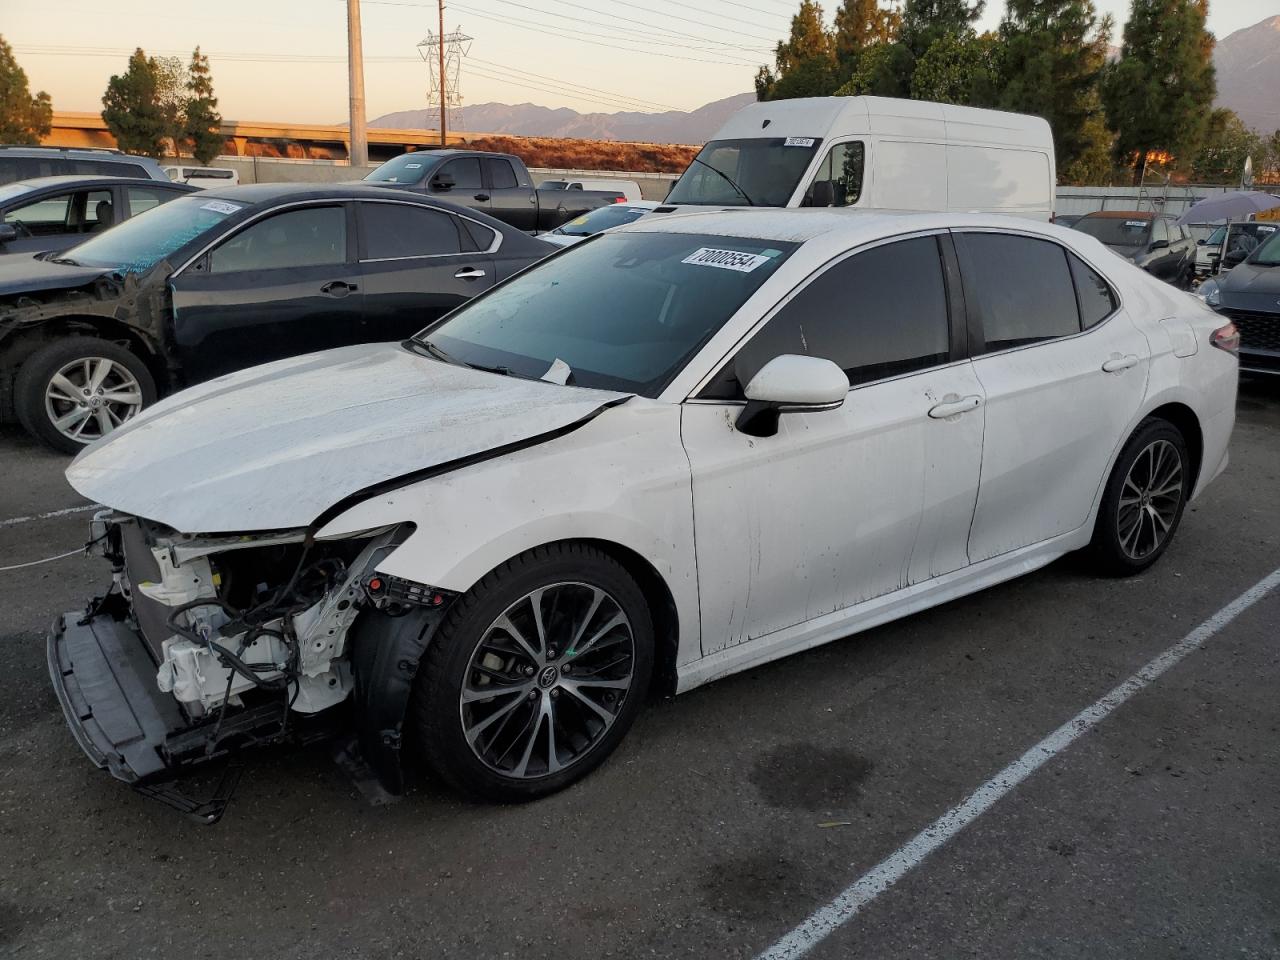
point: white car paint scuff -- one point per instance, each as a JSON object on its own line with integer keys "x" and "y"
{"x": 274, "y": 446}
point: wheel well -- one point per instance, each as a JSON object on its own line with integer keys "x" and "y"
{"x": 104, "y": 328}
{"x": 1188, "y": 424}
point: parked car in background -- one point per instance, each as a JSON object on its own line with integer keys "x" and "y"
{"x": 219, "y": 280}
{"x": 1066, "y": 219}
{"x": 689, "y": 447}
{"x": 498, "y": 184}
{"x": 629, "y": 190}
{"x": 53, "y": 213}
{"x": 1148, "y": 240}
{"x": 874, "y": 153}
{"x": 1229, "y": 244}
{"x": 606, "y": 218}
{"x": 203, "y": 177}
{"x": 26, "y": 163}
{"x": 1249, "y": 295}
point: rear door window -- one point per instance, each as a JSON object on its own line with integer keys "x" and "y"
{"x": 398, "y": 230}
{"x": 1021, "y": 288}
{"x": 142, "y": 199}
{"x": 313, "y": 236}
{"x": 501, "y": 174}
{"x": 877, "y": 314}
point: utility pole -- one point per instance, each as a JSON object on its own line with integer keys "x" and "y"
{"x": 359, "y": 152}
{"x": 444, "y": 140}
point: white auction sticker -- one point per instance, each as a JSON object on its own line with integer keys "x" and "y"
{"x": 799, "y": 142}
{"x": 1135, "y": 223}
{"x": 220, "y": 206}
{"x": 413, "y": 166}
{"x": 725, "y": 259}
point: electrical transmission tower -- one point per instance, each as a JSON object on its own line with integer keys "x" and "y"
{"x": 443, "y": 53}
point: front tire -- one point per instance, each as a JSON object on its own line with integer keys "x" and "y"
{"x": 535, "y": 676}
{"x": 74, "y": 391}
{"x": 1143, "y": 501}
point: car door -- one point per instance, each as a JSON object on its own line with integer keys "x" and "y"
{"x": 510, "y": 200}
{"x": 460, "y": 181}
{"x": 417, "y": 263}
{"x": 56, "y": 221}
{"x": 1064, "y": 371}
{"x": 285, "y": 284}
{"x": 839, "y": 506}
{"x": 1164, "y": 255}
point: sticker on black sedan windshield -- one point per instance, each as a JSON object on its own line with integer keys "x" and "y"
{"x": 220, "y": 206}
{"x": 725, "y": 259}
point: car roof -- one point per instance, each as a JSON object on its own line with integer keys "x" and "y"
{"x": 1125, "y": 215}
{"x": 75, "y": 180}
{"x": 354, "y": 189}
{"x": 79, "y": 153}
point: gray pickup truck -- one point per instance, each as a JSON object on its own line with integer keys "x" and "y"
{"x": 497, "y": 183}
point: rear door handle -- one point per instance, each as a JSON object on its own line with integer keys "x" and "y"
{"x": 469, "y": 273}
{"x": 953, "y": 406}
{"x": 1118, "y": 363}
{"x": 338, "y": 288}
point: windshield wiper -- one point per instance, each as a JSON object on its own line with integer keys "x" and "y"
{"x": 65, "y": 261}
{"x": 727, "y": 179}
{"x": 439, "y": 354}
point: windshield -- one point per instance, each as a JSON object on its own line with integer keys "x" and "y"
{"x": 406, "y": 168}
{"x": 1215, "y": 238}
{"x": 602, "y": 219}
{"x": 761, "y": 172}
{"x": 624, "y": 311}
{"x": 1268, "y": 253}
{"x": 141, "y": 242}
{"x": 1116, "y": 231}
{"x": 554, "y": 185}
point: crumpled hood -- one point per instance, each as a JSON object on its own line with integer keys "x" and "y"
{"x": 25, "y": 274}
{"x": 274, "y": 446}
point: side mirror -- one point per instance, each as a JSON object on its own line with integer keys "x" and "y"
{"x": 1159, "y": 244}
{"x": 822, "y": 194}
{"x": 443, "y": 182}
{"x": 790, "y": 384}
{"x": 8, "y": 232}
{"x": 1200, "y": 243}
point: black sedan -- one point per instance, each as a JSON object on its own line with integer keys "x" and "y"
{"x": 1151, "y": 241}
{"x": 225, "y": 279}
{"x": 53, "y": 213}
{"x": 1250, "y": 295}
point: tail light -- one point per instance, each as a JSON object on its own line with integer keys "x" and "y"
{"x": 1226, "y": 338}
{"x": 619, "y": 199}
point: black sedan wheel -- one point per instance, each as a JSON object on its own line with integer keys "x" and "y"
{"x": 535, "y": 675}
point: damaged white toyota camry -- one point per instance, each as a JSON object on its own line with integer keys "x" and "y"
{"x": 675, "y": 451}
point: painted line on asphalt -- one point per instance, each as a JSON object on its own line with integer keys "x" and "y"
{"x": 825, "y": 921}
{"x": 65, "y": 511}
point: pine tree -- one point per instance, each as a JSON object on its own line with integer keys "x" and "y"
{"x": 1227, "y": 143}
{"x": 924, "y": 21}
{"x": 1159, "y": 93}
{"x": 805, "y": 62}
{"x": 958, "y": 68}
{"x": 860, "y": 23}
{"x": 23, "y": 118}
{"x": 132, "y": 109}
{"x": 1051, "y": 61}
{"x": 203, "y": 130}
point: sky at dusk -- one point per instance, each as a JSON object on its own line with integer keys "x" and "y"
{"x": 284, "y": 60}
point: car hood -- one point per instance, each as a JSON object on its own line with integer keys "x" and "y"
{"x": 274, "y": 446}
{"x": 25, "y": 274}
{"x": 1251, "y": 287}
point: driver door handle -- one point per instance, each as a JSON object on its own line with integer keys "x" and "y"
{"x": 481, "y": 196}
{"x": 952, "y": 406}
{"x": 1118, "y": 363}
{"x": 469, "y": 273}
{"x": 338, "y": 288}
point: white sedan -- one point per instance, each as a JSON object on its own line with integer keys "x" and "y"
{"x": 694, "y": 445}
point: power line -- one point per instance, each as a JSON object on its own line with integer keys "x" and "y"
{"x": 567, "y": 83}
{"x": 672, "y": 16}
{"x": 480, "y": 72}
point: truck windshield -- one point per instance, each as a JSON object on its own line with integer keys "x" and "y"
{"x": 759, "y": 171}
{"x": 406, "y": 168}
{"x": 624, "y": 311}
{"x": 141, "y": 242}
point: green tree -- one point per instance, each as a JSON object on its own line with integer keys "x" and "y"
{"x": 805, "y": 63}
{"x": 1227, "y": 143}
{"x": 23, "y": 118}
{"x": 1159, "y": 93}
{"x": 860, "y": 23}
{"x": 132, "y": 108}
{"x": 1052, "y": 55}
{"x": 882, "y": 70}
{"x": 925, "y": 21}
{"x": 958, "y": 68}
{"x": 203, "y": 128}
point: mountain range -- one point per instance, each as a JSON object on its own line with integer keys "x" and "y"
{"x": 1247, "y": 61}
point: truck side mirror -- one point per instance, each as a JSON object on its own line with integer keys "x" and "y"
{"x": 442, "y": 181}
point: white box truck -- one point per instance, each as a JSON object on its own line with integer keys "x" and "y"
{"x": 874, "y": 153}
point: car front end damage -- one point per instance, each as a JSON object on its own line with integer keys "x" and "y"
{"x": 202, "y": 646}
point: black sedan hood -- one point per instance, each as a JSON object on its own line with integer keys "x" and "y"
{"x": 1251, "y": 287}
{"x": 20, "y": 275}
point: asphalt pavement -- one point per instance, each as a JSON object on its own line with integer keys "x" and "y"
{"x": 732, "y": 814}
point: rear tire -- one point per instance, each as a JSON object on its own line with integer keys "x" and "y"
{"x": 510, "y": 705}
{"x": 1143, "y": 501}
{"x": 74, "y": 391}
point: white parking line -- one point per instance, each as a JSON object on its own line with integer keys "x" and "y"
{"x": 893, "y": 868}
{"x": 14, "y": 521}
